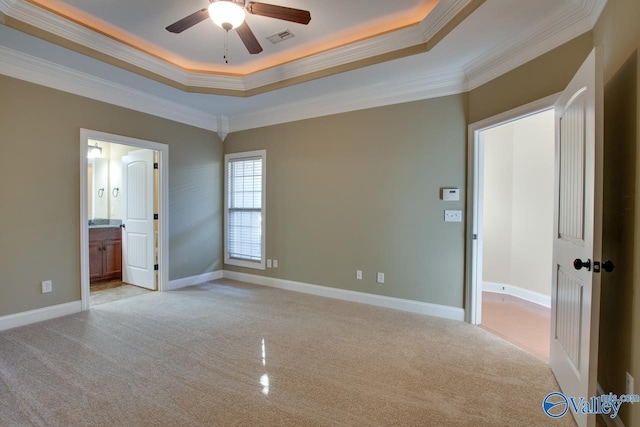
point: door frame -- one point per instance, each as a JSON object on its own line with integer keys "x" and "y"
{"x": 163, "y": 206}
{"x": 475, "y": 163}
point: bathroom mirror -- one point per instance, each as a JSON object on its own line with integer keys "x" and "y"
{"x": 98, "y": 188}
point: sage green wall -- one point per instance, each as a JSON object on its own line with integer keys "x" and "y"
{"x": 368, "y": 184}
{"x": 361, "y": 190}
{"x": 40, "y": 190}
{"x": 618, "y": 32}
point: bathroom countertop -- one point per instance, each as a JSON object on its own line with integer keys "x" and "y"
{"x": 104, "y": 223}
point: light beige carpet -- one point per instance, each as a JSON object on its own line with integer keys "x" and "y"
{"x": 195, "y": 357}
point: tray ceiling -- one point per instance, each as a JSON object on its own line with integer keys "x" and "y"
{"x": 119, "y": 52}
{"x": 341, "y": 36}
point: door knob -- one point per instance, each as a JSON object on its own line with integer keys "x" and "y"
{"x": 578, "y": 264}
{"x": 123, "y": 226}
{"x": 608, "y": 266}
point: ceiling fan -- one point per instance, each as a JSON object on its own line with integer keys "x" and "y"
{"x": 229, "y": 14}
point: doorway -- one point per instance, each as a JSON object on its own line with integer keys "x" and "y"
{"x": 123, "y": 208}
{"x": 577, "y": 227}
{"x": 115, "y": 190}
{"x": 517, "y": 222}
{"x": 511, "y": 225}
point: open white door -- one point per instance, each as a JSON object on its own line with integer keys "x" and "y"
{"x": 575, "y": 295}
{"x": 138, "y": 245}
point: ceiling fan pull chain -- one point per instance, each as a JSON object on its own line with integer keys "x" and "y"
{"x": 226, "y": 47}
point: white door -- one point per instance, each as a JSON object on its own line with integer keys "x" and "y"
{"x": 138, "y": 245}
{"x": 575, "y": 296}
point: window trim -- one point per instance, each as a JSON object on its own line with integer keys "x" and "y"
{"x": 234, "y": 157}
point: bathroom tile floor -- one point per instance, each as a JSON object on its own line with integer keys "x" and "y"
{"x": 114, "y": 291}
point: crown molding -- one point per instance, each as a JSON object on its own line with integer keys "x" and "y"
{"x": 349, "y": 54}
{"x": 377, "y": 95}
{"x": 35, "y": 70}
{"x": 41, "y": 19}
{"x": 558, "y": 27}
{"x": 6, "y": 5}
{"x": 440, "y": 16}
{"x": 110, "y": 50}
{"x": 223, "y": 127}
{"x": 594, "y": 8}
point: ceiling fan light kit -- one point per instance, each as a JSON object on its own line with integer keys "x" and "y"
{"x": 230, "y": 14}
{"x": 226, "y": 14}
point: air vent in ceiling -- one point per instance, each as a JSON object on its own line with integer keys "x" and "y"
{"x": 280, "y": 36}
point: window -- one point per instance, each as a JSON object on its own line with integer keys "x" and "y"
{"x": 245, "y": 209}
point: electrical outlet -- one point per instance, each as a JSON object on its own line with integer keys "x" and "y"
{"x": 47, "y": 286}
{"x": 630, "y": 386}
{"x": 275, "y": 263}
{"x": 380, "y": 277}
{"x": 359, "y": 274}
{"x": 268, "y": 263}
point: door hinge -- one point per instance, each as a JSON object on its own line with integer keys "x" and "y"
{"x": 155, "y": 216}
{"x": 474, "y": 237}
{"x": 155, "y": 267}
{"x": 155, "y": 166}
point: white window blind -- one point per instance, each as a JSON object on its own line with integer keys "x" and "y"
{"x": 245, "y": 210}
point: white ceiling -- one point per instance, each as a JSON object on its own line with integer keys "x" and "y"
{"x": 498, "y": 36}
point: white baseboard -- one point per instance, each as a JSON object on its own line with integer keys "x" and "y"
{"x": 353, "y": 296}
{"x": 610, "y": 422}
{"x": 525, "y": 294}
{"x": 193, "y": 280}
{"x": 32, "y": 316}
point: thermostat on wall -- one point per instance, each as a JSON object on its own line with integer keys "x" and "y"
{"x": 450, "y": 194}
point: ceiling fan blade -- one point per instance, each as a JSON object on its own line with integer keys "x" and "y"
{"x": 189, "y": 21}
{"x": 249, "y": 39}
{"x": 279, "y": 12}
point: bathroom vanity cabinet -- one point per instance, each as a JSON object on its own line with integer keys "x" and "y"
{"x": 105, "y": 254}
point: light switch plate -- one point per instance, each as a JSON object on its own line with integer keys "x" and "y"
{"x": 359, "y": 274}
{"x": 452, "y": 216}
{"x": 268, "y": 263}
{"x": 380, "y": 277}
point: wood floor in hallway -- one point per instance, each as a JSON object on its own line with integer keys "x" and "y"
{"x": 520, "y": 322}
